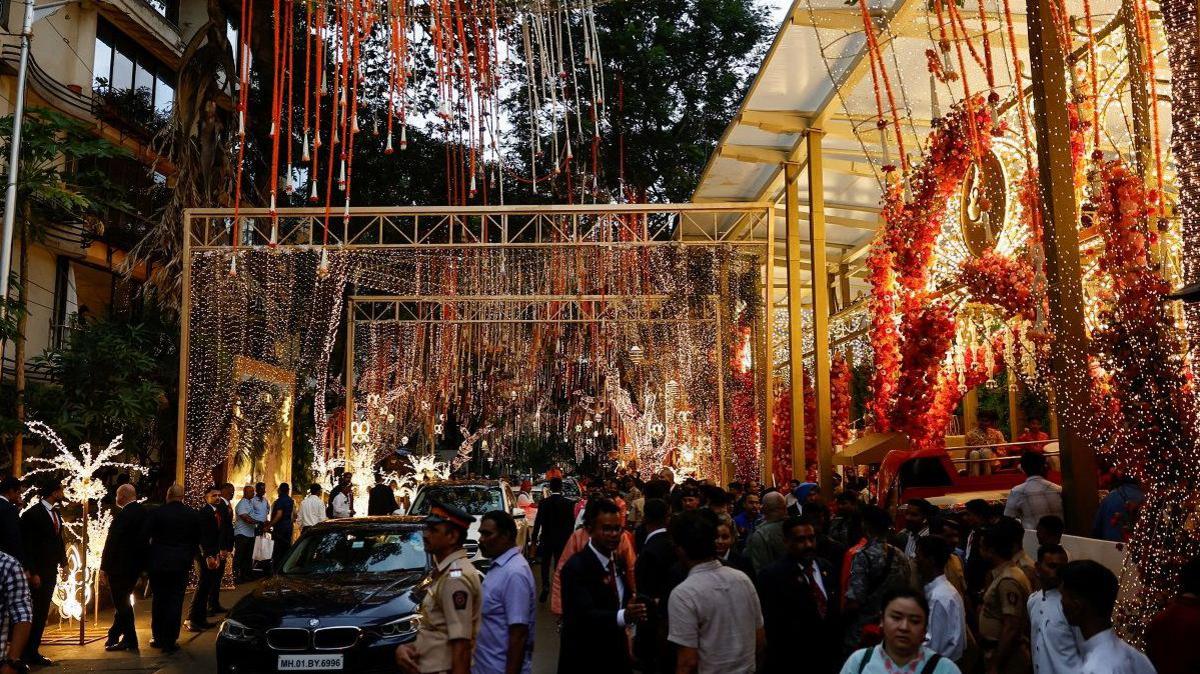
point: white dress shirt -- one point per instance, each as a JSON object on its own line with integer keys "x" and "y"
{"x": 604, "y": 563}
{"x": 1034, "y": 499}
{"x": 312, "y": 511}
{"x": 910, "y": 543}
{"x": 1106, "y": 653}
{"x": 947, "y": 630}
{"x": 341, "y": 505}
{"x": 652, "y": 534}
{"x": 1053, "y": 642}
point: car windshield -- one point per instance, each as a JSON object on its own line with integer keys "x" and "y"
{"x": 474, "y": 498}
{"x": 357, "y": 552}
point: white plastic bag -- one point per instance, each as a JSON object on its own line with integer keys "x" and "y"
{"x": 264, "y": 547}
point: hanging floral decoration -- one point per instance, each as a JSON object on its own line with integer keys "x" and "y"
{"x": 839, "y": 403}
{"x": 1145, "y": 396}
{"x": 908, "y": 359}
{"x": 999, "y": 280}
{"x": 781, "y": 429}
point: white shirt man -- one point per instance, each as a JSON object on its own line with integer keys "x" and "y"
{"x": 312, "y": 511}
{"x": 1034, "y": 499}
{"x": 947, "y": 630}
{"x": 1106, "y": 653}
{"x": 341, "y": 504}
{"x": 1055, "y": 644}
{"x": 716, "y": 611}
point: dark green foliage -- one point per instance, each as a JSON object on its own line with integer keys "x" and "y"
{"x": 113, "y": 377}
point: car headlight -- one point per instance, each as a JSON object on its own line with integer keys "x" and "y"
{"x": 232, "y": 629}
{"x": 401, "y": 627}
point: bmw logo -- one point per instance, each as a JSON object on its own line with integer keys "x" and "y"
{"x": 313, "y": 622}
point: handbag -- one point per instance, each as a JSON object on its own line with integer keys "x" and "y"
{"x": 264, "y": 547}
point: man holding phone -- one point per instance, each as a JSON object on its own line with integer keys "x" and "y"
{"x": 597, "y": 605}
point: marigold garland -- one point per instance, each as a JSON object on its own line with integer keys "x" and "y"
{"x": 1006, "y": 282}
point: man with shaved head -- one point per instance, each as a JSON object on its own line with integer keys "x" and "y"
{"x": 766, "y": 545}
{"x": 122, "y": 562}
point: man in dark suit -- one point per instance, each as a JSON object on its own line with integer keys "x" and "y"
{"x": 551, "y": 528}
{"x": 381, "y": 500}
{"x": 225, "y": 511}
{"x": 122, "y": 561}
{"x": 657, "y": 572}
{"x": 596, "y": 602}
{"x": 10, "y": 518}
{"x": 208, "y": 564}
{"x": 174, "y": 534}
{"x": 42, "y": 539}
{"x": 799, "y": 597}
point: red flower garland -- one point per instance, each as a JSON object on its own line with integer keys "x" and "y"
{"x": 781, "y": 429}
{"x": 906, "y": 378}
{"x": 839, "y": 404}
{"x": 1006, "y": 282}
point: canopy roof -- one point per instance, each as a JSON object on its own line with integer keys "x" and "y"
{"x": 817, "y": 75}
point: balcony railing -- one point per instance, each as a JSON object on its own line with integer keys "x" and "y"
{"x": 131, "y": 110}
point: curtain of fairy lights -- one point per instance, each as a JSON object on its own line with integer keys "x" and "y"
{"x": 285, "y": 308}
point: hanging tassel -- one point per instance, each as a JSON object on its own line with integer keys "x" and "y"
{"x": 274, "y": 233}
{"x": 323, "y": 267}
{"x": 389, "y": 149}
{"x": 272, "y": 210}
{"x": 289, "y": 186}
{"x": 232, "y": 267}
{"x": 312, "y": 196}
{"x": 272, "y": 132}
{"x": 346, "y": 212}
{"x": 403, "y": 138}
{"x": 317, "y": 141}
{"x": 472, "y": 189}
{"x": 304, "y": 156}
{"x": 354, "y": 126}
{"x": 570, "y": 155}
{"x": 342, "y": 176}
{"x": 375, "y": 126}
{"x": 241, "y": 123}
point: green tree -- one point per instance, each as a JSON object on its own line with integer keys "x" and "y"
{"x": 113, "y": 378}
{"x": 60, "y": 180}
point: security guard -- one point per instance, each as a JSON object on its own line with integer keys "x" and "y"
{"x": 450, "y": 608}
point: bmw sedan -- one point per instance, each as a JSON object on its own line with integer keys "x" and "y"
{"x": 345, "y": 598}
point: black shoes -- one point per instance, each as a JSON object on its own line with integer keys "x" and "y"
{"x": 121, "y": 646}
{"x": 194, "y": 626}
{"x": 39, "y": 660}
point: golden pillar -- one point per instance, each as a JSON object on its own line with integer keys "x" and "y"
{"x": 820, "y": 284}
{"x": 791, "y": 172}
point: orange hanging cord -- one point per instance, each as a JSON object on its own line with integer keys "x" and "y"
{"x": 1146, "y": 35}
{"x": 1093, "y": 68}
{"x": 877, "y": 56}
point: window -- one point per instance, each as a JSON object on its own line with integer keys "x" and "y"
{"x": 357, "y": 552}
{"x": 128, "y": 68}
{"x": 168, "y": 8}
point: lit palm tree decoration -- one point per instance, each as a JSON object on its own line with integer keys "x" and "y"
{"x": 81, "y": 484}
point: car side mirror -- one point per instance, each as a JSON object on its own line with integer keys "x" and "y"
{"x": 518, "y": 513}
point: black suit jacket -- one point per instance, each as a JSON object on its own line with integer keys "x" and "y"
{"x": 792, "y": 621}
{"x": 173, "y": 530}
{"x": 225, "y": 511}
{"x": 10, "y": 530}
{"x": 657, "y": 573}
{"x": 554, "y": 523}
{"x": 125, "y": 549}
{"x": 210, "y": 530}
{"x": 592, "y": 642}
{"x": 382, "y": 501}
{"x": 44, "y": 549}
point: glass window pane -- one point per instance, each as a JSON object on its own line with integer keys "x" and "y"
{"x": 164, "y": 97}
{"x": 103, "y": 61}
{"x": 122, "y": 77}
{"x": 143, "y": 79}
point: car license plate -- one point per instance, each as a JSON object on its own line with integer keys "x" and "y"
{"x": 292, "y": 663}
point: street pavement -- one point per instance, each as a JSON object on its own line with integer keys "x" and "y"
{"x": 197, "y": 653}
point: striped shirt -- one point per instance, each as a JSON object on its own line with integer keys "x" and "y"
{"x": 15, "y": 605}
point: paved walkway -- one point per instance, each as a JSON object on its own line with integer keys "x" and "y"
{"x": 197, "y": 653}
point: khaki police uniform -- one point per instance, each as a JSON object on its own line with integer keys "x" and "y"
{"x": 449, "y": 611}
{"x": 1007, "y": 595}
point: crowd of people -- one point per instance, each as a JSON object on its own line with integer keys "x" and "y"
{"x": 649, "y": 576}
{"x": 167, "y": 544}
{"x": 703, "y": 579}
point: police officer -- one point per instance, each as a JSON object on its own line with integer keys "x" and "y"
{"x": 450, "y": 608}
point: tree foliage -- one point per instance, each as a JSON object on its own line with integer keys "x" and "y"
{"x": 113, "y": 378}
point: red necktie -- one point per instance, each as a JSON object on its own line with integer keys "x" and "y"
{"x": 818, "y": 596}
